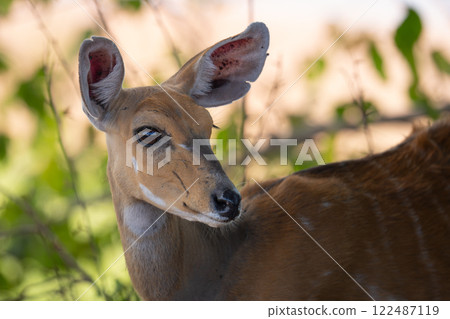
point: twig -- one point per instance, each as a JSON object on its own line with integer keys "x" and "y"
{"x": 165, "y": 32}
{"x": 241, "y": 135}
{"x": 70, "y": 164}
{"x": 72, "y": 172}
{"x": 273, "y": 93}
{"x": 47, "y": 234}
{"x": 62, "y": 287}
{"x": 135, "y": 76}
{"x": 53, "y": 44}
{"x": 339, "y": 126}
{"x": 244, "y": 116}
{"x": 102, "y": 17}
{"x": 251, "y": 11}
{"x": 358, "y": 100}
{"x": 19, "y": 231}
{"x": 310, "y": 132}
{"x": 23, "y": 293}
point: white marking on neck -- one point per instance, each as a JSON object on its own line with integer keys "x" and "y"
{"x": 139, "y": 218}
{"x": 152, "y": 197}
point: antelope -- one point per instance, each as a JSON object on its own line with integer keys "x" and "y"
{"x": 374, "y": 228}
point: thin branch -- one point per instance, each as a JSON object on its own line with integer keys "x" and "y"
{"x": 309, "y": 132}
{"x": 70, "y": 164}
{"x": 53, "y": 43}
{"x": 22, "y": 230}
{"x": 47, "y": 234}
{"x": 273, "y": 92}
{"x": 241, "y": 135}
{"x": 251, "y": 11}
{"x": 244, "y": 115}
{"x": 134, "y": 76}
{"x": 102, "y": 17}
{"x": 63, "y": 288}
{"x": 358, "y": 100}
{"x": 22, "y": 295}
{"x": 165, "y": 32}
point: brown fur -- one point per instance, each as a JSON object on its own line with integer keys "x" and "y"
{"x": 387, "y": 224}
{"x": 385, "y": 218}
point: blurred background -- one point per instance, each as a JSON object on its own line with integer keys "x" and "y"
{"x": 353, "y": 75}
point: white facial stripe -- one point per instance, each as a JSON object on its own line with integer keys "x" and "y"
{"x": 210, "y": 218}
{"x": 151, "y": 197}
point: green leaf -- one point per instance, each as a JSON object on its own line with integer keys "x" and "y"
{"x": 3, "y": 64}
{"x": 377, "y": 60}
{"x": 406, "y": 36}
{"x": 133, "y": 5}
{"x": 31, "y": 91}
{"x": 4, "y": 142}
{"x": 441, "y": 62}
{"x": 12, "y": 215}
{"x": 369, "y": 109}
{"x": 316, "y": 69}
{"x": 227, "y": 133}
{"x": 56, "y": 177}
{"x": 86, "y": 34}
{"x": 422, "y": 102}
{"x": 340, "y": 110}
{"x": 297, "y": 121}
{"x": 75, "y": 47}
{"x": 5, "y": 6}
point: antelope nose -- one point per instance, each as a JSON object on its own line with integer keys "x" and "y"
{"x": 227, "y": 204}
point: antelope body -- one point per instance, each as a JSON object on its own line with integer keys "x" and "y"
{"x": 376, "y": 228}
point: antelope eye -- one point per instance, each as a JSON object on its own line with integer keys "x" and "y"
{"x": 147, "y": 136}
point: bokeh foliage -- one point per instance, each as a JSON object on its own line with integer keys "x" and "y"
{"x": 57, "y": 224}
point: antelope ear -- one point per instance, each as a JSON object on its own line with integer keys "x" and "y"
{"x": 221, "y": 74}
{"x": 101, "y": 73}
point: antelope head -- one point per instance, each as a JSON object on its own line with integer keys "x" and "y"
{"x": 151, "y": 131}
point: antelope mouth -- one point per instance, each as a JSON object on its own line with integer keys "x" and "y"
{"x": 213, "y": 219}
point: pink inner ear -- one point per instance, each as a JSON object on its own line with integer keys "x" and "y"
{"x": 228, "y": 56}
{"x": 102, "y": 64}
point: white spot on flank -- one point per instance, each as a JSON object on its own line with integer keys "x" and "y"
{"x": 152, "y": 197}
{"x": 306, "y": 222}
{"x": 326, "y": 204}
{"x": 135, "y": 165}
